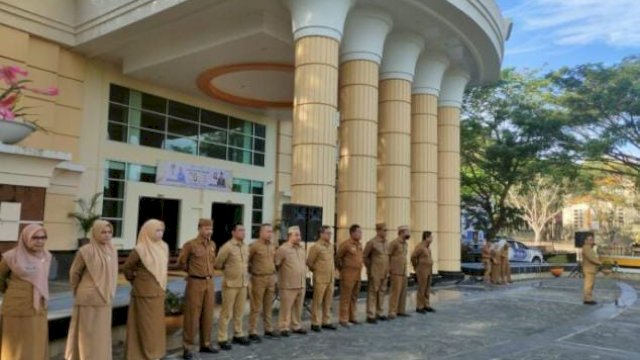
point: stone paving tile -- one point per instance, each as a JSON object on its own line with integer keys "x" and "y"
{"x": 564, "y": 352}
{"x": 610, "y": 335}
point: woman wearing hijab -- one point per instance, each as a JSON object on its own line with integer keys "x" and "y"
{"x": 93, "y": 277}
{"x": 146, "y": 269}
{"x": 24, "y": 274}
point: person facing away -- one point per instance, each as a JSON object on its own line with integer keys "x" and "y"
{"x": 146, "y": 269}
{"x": 423, "y": 265}
{"x": 486, "y": 261}
{"x": 233, "y": 260}
{"x": 290, "y": 262}
{"x": 398, "y": 250}
{"x": 262, "y": 268}
{"x": 24, "y": 275}
{"x": 590, "y": 263}
{"x": 93, "y": 277}
{"x": 197, "y": 258}
{"x": 349, "y": 261}
{"x": 321, "y": 263}
{"x": 376, "y": 260}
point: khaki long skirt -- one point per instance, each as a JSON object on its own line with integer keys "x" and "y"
{"x": 146, "y": 330}
{"x": 25, "y": 337}
{"x": 89, "y": 334}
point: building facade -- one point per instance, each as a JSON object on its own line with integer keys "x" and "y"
{"x": 180, "y": 109}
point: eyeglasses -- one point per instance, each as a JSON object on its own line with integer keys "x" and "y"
{"x": 39, "y": 238}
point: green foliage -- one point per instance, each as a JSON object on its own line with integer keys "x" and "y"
{"x": 173, "y": 303}
{"x": 87, "y": 214}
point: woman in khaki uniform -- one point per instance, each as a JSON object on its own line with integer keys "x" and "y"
{"x": 93, "y": 277}
{"x": 496, "y": 269}
{"x": 506, "y": 267}
{"x": 146, "y": 269}
{"x": 24, "y": 274}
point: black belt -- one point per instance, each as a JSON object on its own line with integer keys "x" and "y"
{"x": 201, "y": 277}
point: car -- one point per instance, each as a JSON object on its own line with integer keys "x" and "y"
{"x": 519, "y": 252}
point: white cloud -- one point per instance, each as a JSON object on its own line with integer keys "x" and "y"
{"x": 546, "y": 23}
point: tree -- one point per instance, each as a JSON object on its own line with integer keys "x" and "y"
{"x": 603, "y": 103}
{"x": 538, "y": 201}
{"x": 511, "y": 132}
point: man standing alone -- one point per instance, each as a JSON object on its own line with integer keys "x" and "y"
{"x": 290, "y": 261}
{"x": 262, "y": 268}
{"x": 376, "y": 259}
{"x": 590, "y": 263}
{"x": 423, "y": 264}
{"x": 320, "y": 262}
{"x": 398, "y": 270}
{"x": 349, "y": 262}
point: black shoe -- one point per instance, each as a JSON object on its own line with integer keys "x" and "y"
{"x": 255, "y": 338}
{"x": 372, "y": 321}
{"x": 285, "y": 333}
{"x": 383, "y": 318}
{"x": 315, "y": 328}
{"x": 590, "y": 302}
{"x": 188, "y": 355}
{"x": 224, "y": 345}
{"x": 404, "y": 315}
{"x": 430, "y": 309}
{"x": 272, "y": 334}
{"x": 241, "y": 341}
{"x": 209, "y": 349}
{"x": 329, "y": 327}
{"x": 355, "y": 322}
{"x": 421, "y": 311}
{"x": 300, "y": 331}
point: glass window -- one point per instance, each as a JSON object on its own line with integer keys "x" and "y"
{"x": 239, "y": 140}
{"x": 183, "y": 111}
{"x": 147, "y": 120}
{"x": 181, "y": 144}
{"x": 214, "y": 119}
{"x": 183, "y": 128}
{"x": 241, "y": 185}
{"x": 215, "y": 135}
{"x": 141, "y": 173}
{"x": 119, "y": 94}
{"x": 117, "y": 132}
{"x": 258, "y": 159}
{"x": 241, "y": 156}
{"x": 256, "y": 217}
{"x": 117, "y": 226}
{"x": 257, "y": 203}
{"x": 258, "y": 145}
{"x": 240, "y": 126}
{"x": 213, "y": 151}
{"x": 257, "y": 187}
{"x": 154, "y": 103}
{"x": 116, "y": 170}
{"x": 112, "y": 208}
{"x": 260, "y": 130}
{"x": 113, "y": 189}
{"x": 146, "y": 138}
{"x": 255, "y": 231}
{"x": 118, "y": 113}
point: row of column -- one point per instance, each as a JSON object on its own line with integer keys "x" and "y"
{"x": 399, "y": 136}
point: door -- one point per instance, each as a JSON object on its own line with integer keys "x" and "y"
{"x": 224, "y": 216}
{"x": 167, "y": 210}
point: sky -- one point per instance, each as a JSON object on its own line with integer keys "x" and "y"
{"x": 549, "y": 34}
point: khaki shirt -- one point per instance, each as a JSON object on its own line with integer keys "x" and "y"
{"x": 143, "y": 283}
{"x": 233, "y": 260}
{"x": 486, "y": 253}
{"x": 18, "y": 294}
{"x": 376, "y": 258}
{"x": 398, "y": 257}
{"x": 320, "y": 262}
{"x": 349, "y": 256}
{"x": 421, "y": 259}
{"x": 290, "y": 260}
{"x": 590, "y": 260}
{"x": 504, "y": 254}
{"x": 262, "y": 258}
{"x": 198, "y": 257}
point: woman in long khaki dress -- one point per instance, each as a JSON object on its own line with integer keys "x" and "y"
{"x": 93, "y": 277}
{"x": 24, "y": 275}
{"x": 146, "y": 269}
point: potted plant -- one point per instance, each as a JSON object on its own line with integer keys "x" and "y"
{"x": 556, "y": 265}
{"x": 173, "y": 311}
{"x": 86, "y": 216}
{"x": 13, "y": 125}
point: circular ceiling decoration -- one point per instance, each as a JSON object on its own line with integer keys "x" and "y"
{"x": 259, "y": 85}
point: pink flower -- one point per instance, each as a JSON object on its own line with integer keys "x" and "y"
{"x": 10, "y": 73}
{"x": 8, "y": 101}
{"x": 51, "y": 91}
{"x": 6, "y": 113}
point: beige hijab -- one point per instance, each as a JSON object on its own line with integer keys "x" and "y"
{"x": 101, "y": 261}
{"x": 31, "y": 267}
{"x": 153, "y": 253}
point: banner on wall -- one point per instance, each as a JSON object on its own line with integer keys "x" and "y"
{"x": 193, "y": 176}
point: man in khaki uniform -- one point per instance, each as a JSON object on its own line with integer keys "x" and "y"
{"x": 398, "y": 250}
{"x": 590, "y": 263}
{"x": 290, "y": 261}
{"x": 423, "y": 264}
{"x": 486, "y": 261}
{"x": 262, "y": 268}
{"x": 506, "y": 267}
{"x": 233, "y": 260}
{"x": 376, "y": 259}
{"x": 197, "y": 258}
{"x": 320, "y": 262}
{"x": 349, "y": 262}
{"x": 496, "y": 268}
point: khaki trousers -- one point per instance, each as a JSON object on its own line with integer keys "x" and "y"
{"x": 291, "y": 302}
{"x": 587, "y": 290}
{"x": 198, "y": 312}
{"x": 398, "y": 296}
{"x": 487, "y": 270}
{"x": 321, "y": 308}
{"x": 349, "y": 290}
{"x": 263, "y": 290}
{"x": 233, "y": 300}
{"x": 375, "y": 297}
{"x": 424, "y": 290}
{"x": 506, "y": 271}
{"x": 496, "y": 273}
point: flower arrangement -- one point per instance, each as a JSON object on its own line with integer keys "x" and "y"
{"x": 14, "y": 78}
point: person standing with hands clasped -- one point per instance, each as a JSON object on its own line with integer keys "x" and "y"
{"x": 423, "y": 264}
{"x": 290, "y": 262}
{"x": 590, "y": 263}
{"x": 320, "y": 262}
{"x": 349, "y": 262}
{"x": 398, "y": 251}
{"x": 262, "y": 267}
{"x": 376, "y": 259}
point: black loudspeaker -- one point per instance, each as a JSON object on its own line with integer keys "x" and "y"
{"x": 580, "y": 236}
{"x": 308, "y": 218}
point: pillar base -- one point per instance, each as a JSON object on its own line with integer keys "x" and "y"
{"x": 447, "y": 276}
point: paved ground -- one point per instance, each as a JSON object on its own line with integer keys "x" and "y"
{"x": 528, "y": 320}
